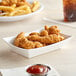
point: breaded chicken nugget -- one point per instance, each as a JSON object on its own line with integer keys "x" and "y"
{"x": 18, "y": 38}
{"x": 26, "y": 44}
{"x": 34, "y": 33}
{"x": 33, "y": 37}
{"x": 52, "y": 30}
{"x": 50, "y": 39}
{"x": 46, "y": 27}
{"x": 43, "y": 33}
{"x": 38, "y": 44}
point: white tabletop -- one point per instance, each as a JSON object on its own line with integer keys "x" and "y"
{"x": 63, "y": 60}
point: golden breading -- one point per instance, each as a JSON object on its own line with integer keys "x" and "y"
{"x": 52, "y": 30}
{"x": 24, "y": 43}
{"x": 43, "y": 33}
{"x": 53, "y": 38}
{"x": 34, "y": 33}
{"x": 46, "y": 27}
{"x": 38, "y": 44}
{"x": 33, "y": 37}
{"x": 50, "y": 39}
{"x": 18, "y": 38}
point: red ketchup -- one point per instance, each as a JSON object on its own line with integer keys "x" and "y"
{"x": 38, "y": 69}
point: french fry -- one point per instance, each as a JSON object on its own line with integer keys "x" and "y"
{"x": 28, "y": 10}
{"x": 13, "y": 1}
{"x": 17, "y": 12}
{"x": 27, "y": 3}
{"x": 24, "y": 7}
{"x": 16, "y": 1}
{"x": 4, "y": 3}
{"x": 6, "y": 8}
{"x": 13, "y": 6}
{"x": 20, "y": 12}
{"x": 20, "y": 4}
{"x": 35, "y": 6}
{"x": 18, "y": 7}
{"x": 24, "y": 3}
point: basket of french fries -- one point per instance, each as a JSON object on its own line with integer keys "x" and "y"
{"x": 18, "y": 8}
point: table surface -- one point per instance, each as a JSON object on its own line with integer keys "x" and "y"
{"x": 63, "y": 60}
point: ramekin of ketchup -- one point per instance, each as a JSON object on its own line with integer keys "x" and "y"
{"x": 38, "y": 70}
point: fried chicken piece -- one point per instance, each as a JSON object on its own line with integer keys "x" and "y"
{"x": 53, "y": 38}
{"x": 34, "y": 33}
{"x": 20, "y": 0}
{"x": 50, "y": 39}
{"x": 33, "y": 37}
{"x": 23, "y": 42}
{"x": 38, "y": 44}
{"x": 44, "y": 44}
{"x": 52, "y": 30}
{"x": 18, "y": 38}
{"x": 26, "y": 44}
{"x": 46, "y": 27}
{"x": 43, "y": 33}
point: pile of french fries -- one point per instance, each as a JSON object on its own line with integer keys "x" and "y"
{"x": 18, "y": 7}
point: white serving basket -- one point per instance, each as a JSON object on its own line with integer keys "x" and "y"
{"x": 29, "y": 53}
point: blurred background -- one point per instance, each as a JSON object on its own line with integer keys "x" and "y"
{"x": 54, "y": 4}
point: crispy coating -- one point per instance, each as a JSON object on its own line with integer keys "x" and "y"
{"x": 43, "y": 33}
{"x": 38, "y": 44}
{"x": 23, "y": 42}
{"x": 26, "y": 44}
{"x": 51, "y": 39}
{"x": 18, "y": 38}
{"x": 46, "y": 27}
{"x": 52, "y": 30}
{"x": 33, "y": 37}
{"x": 34, "y": 33}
